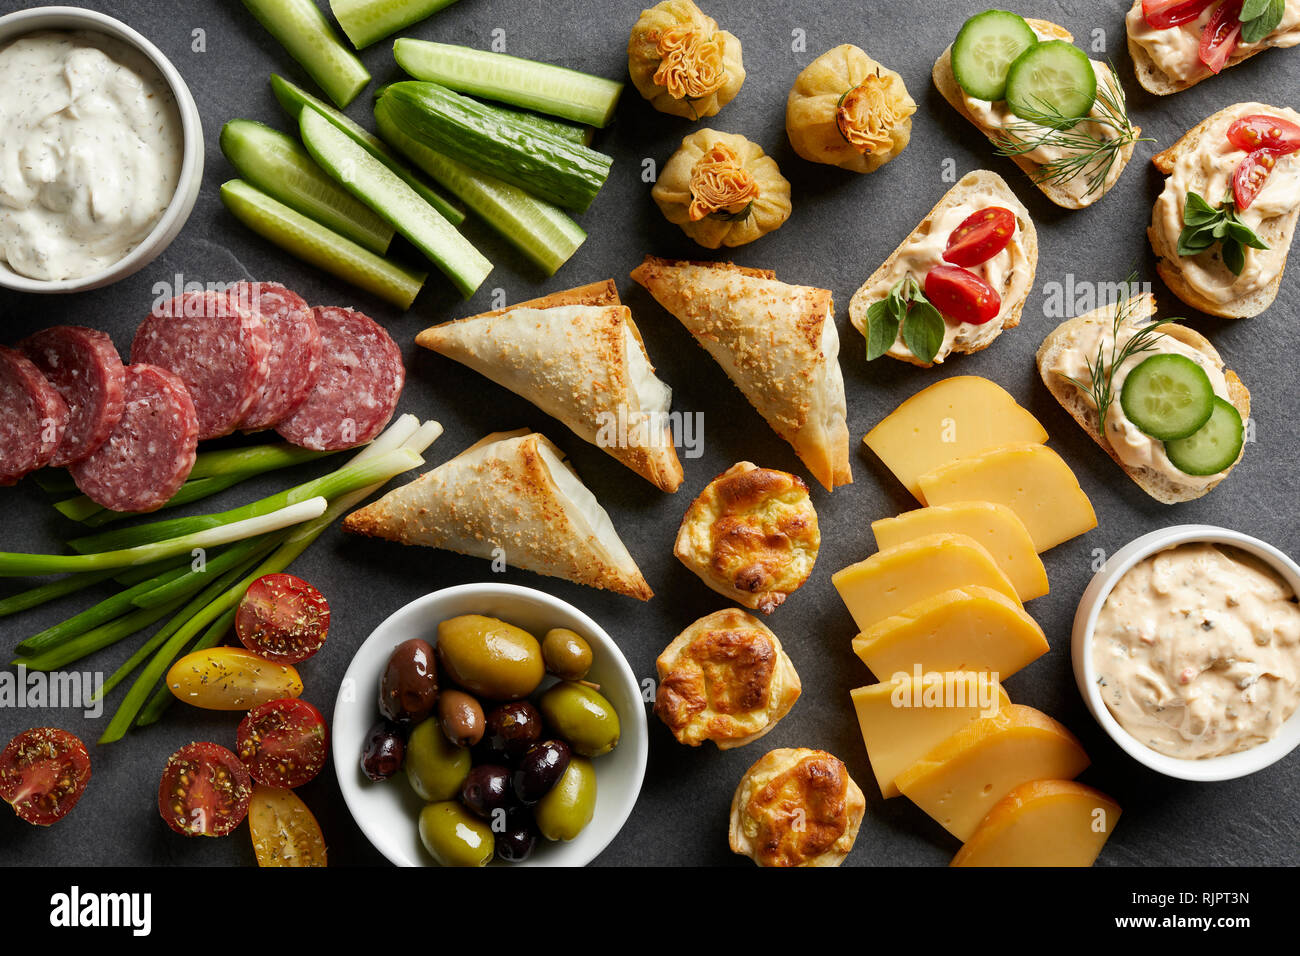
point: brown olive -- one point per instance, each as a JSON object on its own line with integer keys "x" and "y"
{"x": 512, "y": 728}
{"x": 567, "y": 655}
{"x": 408, "y": 690}
{"x": 461, "y": 717}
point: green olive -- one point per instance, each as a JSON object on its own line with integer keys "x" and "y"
{"x": 569, "y": 806}
{"x": 567, "y": 655}
{"x": 581, "y": 716}
{"x": 489, "y": 657}
{"x": 454, "y": 836}
{"x": 434, "y": 765}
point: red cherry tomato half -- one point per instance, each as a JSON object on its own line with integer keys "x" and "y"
{"x": 204, "y": 791}
{"x": 1162, "y": 14}
{"x": 961, "y": 296}
{"x": 283, "y": 743}
{"x": 1219, "y": 38}
{"x": 43, "y": 773}
{"x": 283, "y": 618}
{"x": 1261, "y": 131}
{"x": 1251, "y": 175}
{"x": 981, "y": 236}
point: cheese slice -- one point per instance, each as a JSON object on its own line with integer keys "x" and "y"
{"x": 951, "y": 419}
{"x": 993, "y": 525}
{"x": 902, "y": 720}
{"x": 1043, "y": 823}
{"x": 973, "y": 628}
{"x": 892, "y": 580}
{"x": 1031, "y": 480}
{"x": 961, "y": 780}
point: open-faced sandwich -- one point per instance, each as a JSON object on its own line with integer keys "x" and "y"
{"x": 1040, "y": 100}
{"x": 1153, "y": 394}
{"x": 776, "y": 341}
{"x": 956, "y": 282}
{"x": 1177, "y": 43}
{"x": 1223, "y": 225}
{"x": 576, "y": 355}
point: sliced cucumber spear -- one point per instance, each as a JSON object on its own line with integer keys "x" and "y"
{"x": 279, "y": 166}
{"x": 543, "y": 87}
{"x": 383, "y": 191}
{"x": 303, "y": 30}
{"x": 540, "y": 230}
{"x": 293, "y": 98}
{"x": 365, "y": 21}
{"x": 314, "y": 244}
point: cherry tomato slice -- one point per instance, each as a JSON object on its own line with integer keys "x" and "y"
{"x": 981, "y": 236}
{"x": 1251, "y": 175}
{"x": 204, "y": 791}
{"x": 43, "y": 773}
{"x": 283, "y": 618}
{"x": 1219, "y": 38}
{"x": 1261, "y": 131}
{"x": 283, "y": 743}
{"x": 284, "y": 831}
{"x": 961, "y": 296}
{"x": 1163, "y": 14}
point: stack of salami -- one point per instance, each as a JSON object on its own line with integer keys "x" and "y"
{"x": 205, "y": 364}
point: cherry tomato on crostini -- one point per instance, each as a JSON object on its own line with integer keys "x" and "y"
{"x": 961, "y": 296}
{"x": 1219, "y": 38}
{"x": 43, "y": 773}
{"x": 981, "y": 236}
{"x": 284, "y": 831}
{"x": 204, "y": 791}
{"x": 283, "y": 618}
{"x": 1261, "y": 131}
{"x": 283, "y": 743}
{"x": 1251, "y": 175}
{"x": 1162, "y": 14}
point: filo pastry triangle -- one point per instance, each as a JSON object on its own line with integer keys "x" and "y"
{"x": 578, "y": 356}
{"x": 513, "y": 491}
{"x": 776, "y": 341}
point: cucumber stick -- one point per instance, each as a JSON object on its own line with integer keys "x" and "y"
{"x": 376, "y": 185}
{"x": 293, "y": 98}
{"x": 279, "y": 166}
{"x": 365, "y": 21}
{"x": 313, "y": 243}
{"x": 303, "y": 30}
{"x": 508, "y": 79}
{"x": 538, "y": 229}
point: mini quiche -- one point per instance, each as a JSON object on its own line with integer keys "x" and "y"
{"x": 796, "y": 807}
{"x": 751, "y": 535}
{"x": 725, "y": 678}
{"x": 681, "y": 62}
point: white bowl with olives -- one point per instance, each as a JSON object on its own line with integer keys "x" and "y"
{"x": 421, "y": 779}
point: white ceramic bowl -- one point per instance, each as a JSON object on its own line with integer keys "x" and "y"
{"x": 388, "y": 811}
{"x": 1227, "y": 767}
{"x": 14, "y": 25}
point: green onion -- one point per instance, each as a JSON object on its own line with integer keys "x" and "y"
{"x": 97, "y": 639}
{"x": 163, "y": 697}
{"x": 43, "y": 594}
{"x": 163, "y": 591}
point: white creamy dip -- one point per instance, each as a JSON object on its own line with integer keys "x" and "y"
{"x": 1197, "y": 651}
{"x": 1176, "y": 51}
{"x": 90, "y": 152}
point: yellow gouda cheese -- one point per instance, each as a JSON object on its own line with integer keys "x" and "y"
{"x": 1043, "y": 823}
{"x": 951, "y": 419}
{"x": 903, "y": 720}
{"x": 966, "y": 629}
{"x": 892, "y": 580}
{"x": 1031, "y": 480}
{"x": 961, "y": 780}
{"x": 993, "y": 525}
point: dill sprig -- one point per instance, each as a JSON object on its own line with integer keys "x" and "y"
{"x": 1083, "y": 149}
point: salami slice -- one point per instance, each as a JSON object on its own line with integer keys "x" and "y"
{"x": 33, "y": 417}
{"x": 83, "y": 365}
{"x": 361, "y": 378}
{"x": 218, "y": 348}
{"x": 151, "y": 451}
{"x": 294, "y": 358}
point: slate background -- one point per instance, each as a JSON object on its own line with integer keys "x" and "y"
{"x": 843, "y": 226}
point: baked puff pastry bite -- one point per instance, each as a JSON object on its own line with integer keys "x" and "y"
{"x": 751, "y": 535}
{"x": 796, "y": 807}
{"x": 725, "y": 678}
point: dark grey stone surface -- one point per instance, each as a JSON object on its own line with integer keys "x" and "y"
{"x": 843, "y": 226}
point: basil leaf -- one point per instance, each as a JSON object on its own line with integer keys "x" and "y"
{"x": 897, "y": 299}
{"x": 1259, "y": 25}
{"x": 1234, "y": 256}
{"x": 1252, "y": 8}
{"x": 1244, "y": 234}
{"x": 923, "y": 330}
{"x": 1196, "y": 211}
{"x": 882, "y": 328}
{"x": 1220, "y": 228}
{"x": 1194, "y": 241}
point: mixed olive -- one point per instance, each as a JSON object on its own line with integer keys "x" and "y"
{"x": 496, "y": 768}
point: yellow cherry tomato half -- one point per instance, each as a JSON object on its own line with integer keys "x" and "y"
{"x": 231, "y": 678}
{"x": 285, "y": 833}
